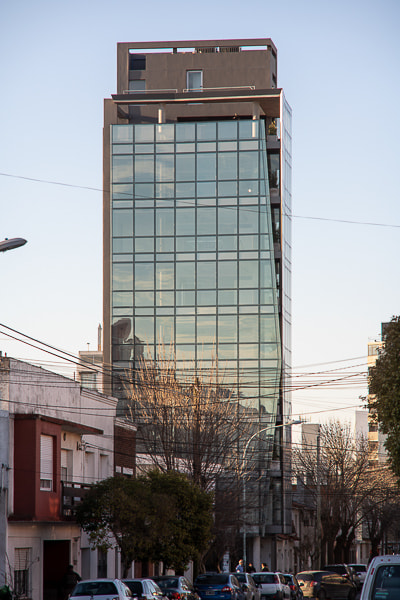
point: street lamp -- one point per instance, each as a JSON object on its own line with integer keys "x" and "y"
{"x": 270, "y": 426}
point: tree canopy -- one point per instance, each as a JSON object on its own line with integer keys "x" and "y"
{"x": 384, "y": 387}
{"x": 157, "y": 517}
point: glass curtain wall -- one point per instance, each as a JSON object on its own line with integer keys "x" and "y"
{"x": 193, "y": 265}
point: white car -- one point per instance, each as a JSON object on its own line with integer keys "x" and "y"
{"x": 360, "y": 570}
{"x": 101, "y": 589}
{"x": 382, "y": 580}
{"x": 272, "y": 585}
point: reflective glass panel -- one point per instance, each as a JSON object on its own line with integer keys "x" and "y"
{"x": 144, "y": 133}
{"x": 248, "y": 328}
{"x": 122, "y": 245}
{"x": 165, "y": 299}
{"x": 206, "y": 329}
{"x": 144, "y": 276}
{"x": 185, "y": 298}
{"x": 227, "y": 165}
{"x": 185, "y": 244}
{"x": 206, "y": 243}
{"x": 227, "y": 328}
{"x": 165, "y": 276}
{"x": 206, "y": 167}
{"x": 268, "y": 332}
{"x": 248, "y": 274}
{"x": 122, "y": 191}
{"x": 266, "y": 274}
{"x": 227, "y": 242}
{"x": 122, "y": 223}
{"x": 122, "y": 133}
{"x": 122, "y": 168}
{"x": 165, "y": 167}
{"x": 227, "y": 275}
{"x": 185, "y": 219}
{"x": 185, "y": 132}
{"x": 185, "y": 329}
{"x": 206, "y": 221}
{"x": 144, "y": 222}
{"x": 122, "y": 276}
{"x": 165, "y": 132}
{"x": 227, "y": 219}
{"x": 206, "y": 131}
{"x": 248, "y": 165}
{"x": 227, "y": 297}
{"x": 144, "y": 329}
{"x": 185, "y": 275}
{"x": 248, "y": 220}
{"x": 206, "y": 297}
{"x": 144, "y": 167}
{"x": 227, "y": 130}
{"x": 122, "y": 299}
{"x": 144, "y": 299}
{"x": 206, "y": 274}
{"x": 165, "y": 330}
{"x": 165, "y": 221}
{"x": 165, "y": 244}
{"x": 185, "y": 167}
{"x": 144, "y": 244}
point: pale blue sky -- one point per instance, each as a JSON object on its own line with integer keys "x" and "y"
{"x": 338, "y": 63}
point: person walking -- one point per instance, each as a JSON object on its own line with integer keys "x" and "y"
{"x": 264, "y": 567}
{"x": 240, "y": 566}
{"x": 69, "y": 581}
{"x": 251, "y": 568}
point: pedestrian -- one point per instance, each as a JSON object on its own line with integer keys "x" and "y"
{"x": 69, "y": 581}
{"x": 264, "y": 567}
{"x": 250, "y": 568}
{"x": 240, "y": 566}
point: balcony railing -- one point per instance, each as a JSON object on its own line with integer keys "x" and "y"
{"x": 72, "y": 493}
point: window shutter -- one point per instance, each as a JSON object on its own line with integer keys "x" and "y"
{"x": 46, "y": 462}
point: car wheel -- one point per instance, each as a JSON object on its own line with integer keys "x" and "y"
{"x": 321, "y": 595}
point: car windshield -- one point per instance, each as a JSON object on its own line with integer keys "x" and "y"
{"x": 95, "y": 588}
{"x": 135, "y": 587}
{"x": 241, "y": 577}
{"x": 264, "y": 577}
{"x": 217, "y": 578}
{"x": 359, "y": 568}
{"x": 170, "y": 582}
{"x": 387, "y": 583}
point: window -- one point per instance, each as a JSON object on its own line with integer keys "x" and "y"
{"x": 89, "y": 380}
{"x": 46, "y": 463}
{"x": 194, "y": 80}
{"x": 22, "y": 562}
{"x": 137, "y": 85}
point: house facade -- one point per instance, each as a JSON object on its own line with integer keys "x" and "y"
{"x": 56, "y": 439}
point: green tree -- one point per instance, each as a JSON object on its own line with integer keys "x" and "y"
{"x": 384, "y": 388}
{"x": 157, "y": 517}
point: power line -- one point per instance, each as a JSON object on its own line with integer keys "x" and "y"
{"x": 95, "y": 189}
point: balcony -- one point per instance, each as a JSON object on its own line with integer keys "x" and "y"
{"x": 72, "y": 493}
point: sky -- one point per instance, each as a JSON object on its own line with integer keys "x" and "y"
{"x": 338, "y": 63}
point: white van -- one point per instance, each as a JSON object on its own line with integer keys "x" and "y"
{"x": 383, "y": 579}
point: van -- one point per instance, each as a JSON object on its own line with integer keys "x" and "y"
{"x": 383, "y": 578}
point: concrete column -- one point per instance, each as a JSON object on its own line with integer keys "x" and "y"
{"x": 161, "y": 113}
{"x": 4, "y": 462}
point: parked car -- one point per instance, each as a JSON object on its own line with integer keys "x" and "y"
{"x": 325, "y": 584}
{"x": 296, "y": 593}
{"x": 249, "y": 586}
{"x": 345, "y": 571}
{"x": 382, "y": 580}
{"x": 176, "y": 588}
{"x": 218, "y": 586}
{"x": 273, "y": 586}
{"x": 101, "y": 589}
{"x": 360, "y": 571}
{"x": 144, "y": 588}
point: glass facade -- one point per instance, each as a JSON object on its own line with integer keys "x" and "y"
{"x": 193, "y": 259}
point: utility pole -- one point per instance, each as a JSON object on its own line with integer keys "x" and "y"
{"x": 318, "y": 516}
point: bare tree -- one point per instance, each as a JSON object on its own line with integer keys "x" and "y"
{"x": 342, "y": 477}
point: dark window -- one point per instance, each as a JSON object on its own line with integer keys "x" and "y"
{"x": 137, "y": 62}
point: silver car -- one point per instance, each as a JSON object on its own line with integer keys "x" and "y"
{"x": 101, "y": 589}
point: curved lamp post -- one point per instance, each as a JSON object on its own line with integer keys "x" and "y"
{"x": 10, "y": 244}
{"x": 271, "y": 426}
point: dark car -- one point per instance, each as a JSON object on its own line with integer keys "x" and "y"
{"x": 296, "y": 593}
{"x": 325, "y": 584}
{"x": 218, "y": 586}
{"x": 176, "y": 588}
{"x": 346, "y": 571}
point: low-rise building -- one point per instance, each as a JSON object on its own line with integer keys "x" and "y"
{"x": 56, "y": 438}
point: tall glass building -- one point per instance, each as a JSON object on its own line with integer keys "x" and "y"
{"x": 197, "y": 245}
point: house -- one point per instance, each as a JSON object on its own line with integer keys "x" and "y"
{"x": 56, "y": 438}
